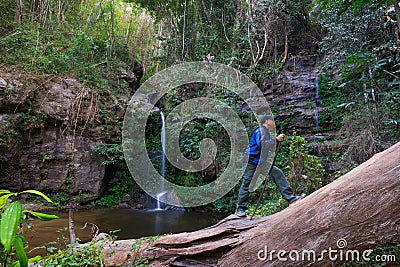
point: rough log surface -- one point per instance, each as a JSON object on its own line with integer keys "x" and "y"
{"x": 361, "y": 207}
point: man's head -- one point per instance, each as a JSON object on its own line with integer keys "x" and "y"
{"x": 268, "y": 121}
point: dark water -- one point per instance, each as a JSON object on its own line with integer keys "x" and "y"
{"x": 131, "y": 223}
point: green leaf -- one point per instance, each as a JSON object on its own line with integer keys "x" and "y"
{"x": 19, "y": 244}
{"x": 42, "y": 216}
{"x": 9, "y": 224}
{"x": 3, "y": 191}
{"x": 38, "y": 193}
{"x": 35, "y": 259}
{"x": 4, "y": 198}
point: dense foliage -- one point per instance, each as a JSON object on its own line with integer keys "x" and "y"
{"x": 244, "y": 34}
{"x": 85, "y": 39}
{"x": 360, "y": 73}
{"x": 92, "y": 40}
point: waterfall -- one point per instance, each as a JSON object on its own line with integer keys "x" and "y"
{"x": 318, "y": 103}
{"x": 162, "y": 186}
{"x": 163, "y": 147}
{"x": 158, "y": 200}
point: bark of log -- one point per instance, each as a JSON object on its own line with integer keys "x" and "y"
{"x": 361, "y": 207}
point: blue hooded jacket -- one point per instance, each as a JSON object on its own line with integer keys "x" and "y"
{"x": 260, "y": 141}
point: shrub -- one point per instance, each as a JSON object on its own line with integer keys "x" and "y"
{"x": 306, "y": 172}
{"x": 12, "y": 241}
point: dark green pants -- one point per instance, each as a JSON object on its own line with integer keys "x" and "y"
{"x": 276, "y": 175}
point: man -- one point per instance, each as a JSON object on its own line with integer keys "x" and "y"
{"x": 262, "y": 142}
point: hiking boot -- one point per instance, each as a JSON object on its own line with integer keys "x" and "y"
{"x": 240, "y": 213}
{"x": 296, "y": 199}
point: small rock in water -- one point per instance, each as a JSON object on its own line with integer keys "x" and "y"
{"x": 176, "y": 208}
{"x": 124, "y": 205}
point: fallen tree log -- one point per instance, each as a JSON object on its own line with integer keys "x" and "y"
{"x": 351, "y": 215}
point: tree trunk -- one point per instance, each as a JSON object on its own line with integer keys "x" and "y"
{"x": 285, "y": 53}
{"x": 358, "y": 211}
{"x": 397, "y": 11}
{"x": 18, "y": 12}
{"x": 71, "y": 227}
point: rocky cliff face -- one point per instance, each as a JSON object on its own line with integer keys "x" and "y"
{"x": 294, "y": 96}
{"x": 48, "y": 127}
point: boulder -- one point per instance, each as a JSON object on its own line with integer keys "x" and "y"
{"x": 56, "y": 101}
{"x": 13, "y": 94}
{"x": 48, "y": 161}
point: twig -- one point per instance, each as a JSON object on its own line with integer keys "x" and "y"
{"x": 9, "y": 35}
{"x": 391, "y": 74}
{"x": 90, "y": 111}
{"x": 88, "y": 67}
{"x": 78, "y": 102}
{"x": 95, "y": 229}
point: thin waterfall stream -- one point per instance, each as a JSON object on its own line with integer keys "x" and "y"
{"x": 318, "y": 103}
{"x": 163, "y": 140}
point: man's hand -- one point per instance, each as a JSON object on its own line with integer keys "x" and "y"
{"x": 280, "y": 137}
